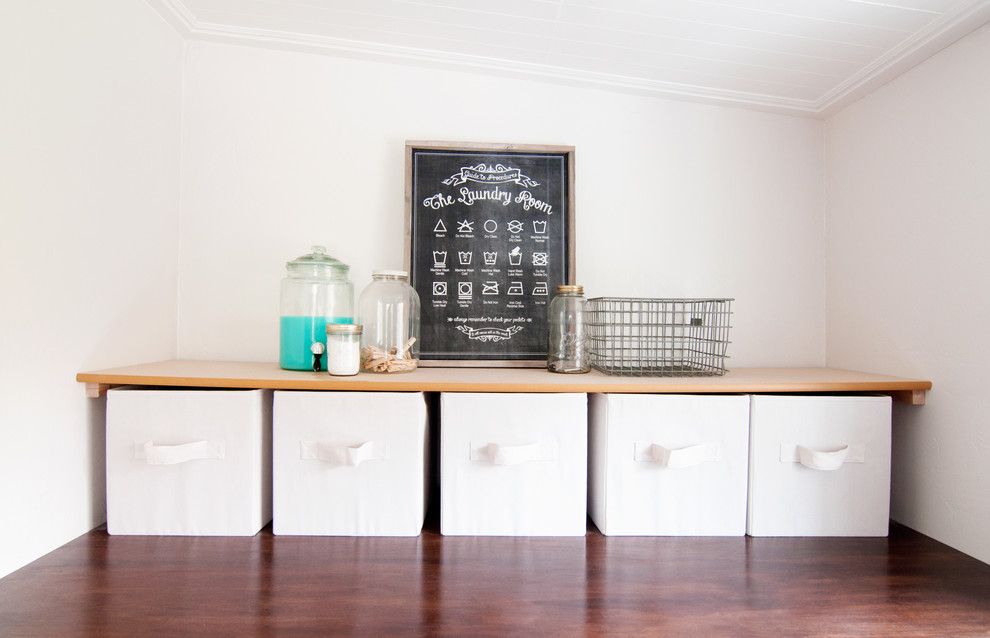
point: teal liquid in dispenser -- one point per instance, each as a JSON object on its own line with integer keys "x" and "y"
{"x": 315, "y": 291}
{"x": 298, "y": 334}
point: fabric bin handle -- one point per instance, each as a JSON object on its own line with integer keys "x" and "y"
{"x": 688, "y": 456}
{"x": 501, "y": 454}
{"x": 351, "y": 455}
{"x": 826, "y": 459}
{"x": 174, "y": 454}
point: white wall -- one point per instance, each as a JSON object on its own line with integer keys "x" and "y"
{"x": 284, "y": 149}
{"x": 908, "y": 217}
{"x": 89, "y": 166}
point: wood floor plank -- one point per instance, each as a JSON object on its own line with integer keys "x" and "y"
{"x": 907, "y": 585}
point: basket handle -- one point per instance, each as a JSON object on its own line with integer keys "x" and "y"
{"x": 153, "y": 454}
{"x": 352, "y": 455}
{"x": 827, "y": 459}
{"x": 501, "y": 454}
{"x": 673, "y": 458}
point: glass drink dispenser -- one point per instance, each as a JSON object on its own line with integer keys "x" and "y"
{"x": 315, "y": 292}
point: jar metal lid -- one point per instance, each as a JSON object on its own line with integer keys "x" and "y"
{"x": 570, "y": 289}
{"x": 390, "y": 274}
{"x": 344, "y": 328}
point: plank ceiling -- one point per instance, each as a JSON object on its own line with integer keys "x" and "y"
{"x": 798, "y": 55}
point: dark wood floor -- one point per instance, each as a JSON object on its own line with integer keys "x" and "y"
{"x": 907, "y": 585}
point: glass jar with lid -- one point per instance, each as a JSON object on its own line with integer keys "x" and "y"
{"x": 389, "y": 312}
{"x": 315, "y": 291}
{"x": 343, "y": 349}
{"x": 567, "y": 350}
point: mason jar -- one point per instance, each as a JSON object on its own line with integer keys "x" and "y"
{"x": 567, "y": 350}
{"x": 343, "y": 349}
{"x": 315, "y": 292}
{"x": 389, "y": 313}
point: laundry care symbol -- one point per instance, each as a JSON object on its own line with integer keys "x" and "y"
{"x": 490, "y": 258}
{"x": 539, "y": 259}
{"x": 515, "y": 288}
{"x": 464, "y": 226}
{"x": 439, "y": 228}
{"x": 464, "y": 257}
{"x": 515, "y": 226}
{"x": 439, "y": 258}
{"x": 515, "y": 256}
{"x": 491, "y": 226}
{"x": 489, "y": 288}
{"x": 465, "y": 290}
{"x": 540, "y": 288}
{"x": 539, "y": 228}
{"x": 439, "y": 288}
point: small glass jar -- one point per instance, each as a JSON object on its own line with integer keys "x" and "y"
{"x": 315, "y": 292}
{"x": 343, "y": 349}
{"x": 567, "y": 350}
{"x": 389, "y": 311}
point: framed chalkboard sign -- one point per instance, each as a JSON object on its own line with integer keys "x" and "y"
{"x": 489, "y": 237}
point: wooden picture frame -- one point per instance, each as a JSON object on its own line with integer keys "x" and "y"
{"x": 442, "y": 332}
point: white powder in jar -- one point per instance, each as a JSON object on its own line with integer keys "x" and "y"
{"x": 343, "y": 351}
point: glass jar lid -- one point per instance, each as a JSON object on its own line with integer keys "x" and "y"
{"x": 344, "y": 329}
{"x": 570, "y": 289}
{"x": 317, "y": 264}
{"x": 390, "y": 274}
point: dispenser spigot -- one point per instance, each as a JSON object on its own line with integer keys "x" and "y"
{"x": 317, "y": 349}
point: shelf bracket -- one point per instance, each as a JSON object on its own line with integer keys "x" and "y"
{"x": 910, "y": 397}
{"x": 96, "y": 390}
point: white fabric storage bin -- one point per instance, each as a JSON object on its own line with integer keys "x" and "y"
{"x": 188, "y": 462}
{"x": 819, "y": 466}
{"x": 668, "y": 465}
{"x": 513, "y": 464}
{"x": 350, "y": 463}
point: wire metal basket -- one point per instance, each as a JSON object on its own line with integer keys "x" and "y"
{"x": 658, "y": 337}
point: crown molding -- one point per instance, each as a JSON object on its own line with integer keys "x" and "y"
{"x": 464, "y": 62}
{"x": 965, "y": 18}
{"x": 176, "y": 14}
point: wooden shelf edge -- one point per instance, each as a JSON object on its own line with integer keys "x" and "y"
{"x": 908, "y": 391}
